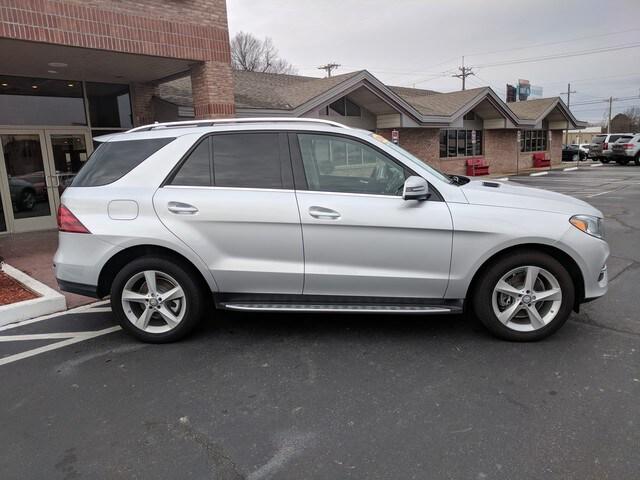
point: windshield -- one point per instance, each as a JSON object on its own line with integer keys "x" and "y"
{"x": 412, "y": 158}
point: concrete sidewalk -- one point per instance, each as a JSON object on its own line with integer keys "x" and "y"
{"x": 32, "y": 253}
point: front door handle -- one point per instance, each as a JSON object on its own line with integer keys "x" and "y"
{"x": 323, "y": 213}
{"x": 181, "y": 208}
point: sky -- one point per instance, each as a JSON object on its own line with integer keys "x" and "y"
{"x": 420, "y": 43}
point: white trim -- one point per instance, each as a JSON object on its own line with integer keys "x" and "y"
{"x": 49, "y": 300}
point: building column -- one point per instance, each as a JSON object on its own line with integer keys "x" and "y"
{"x": 212, "y": 87}
{"x": 141, "y": 103}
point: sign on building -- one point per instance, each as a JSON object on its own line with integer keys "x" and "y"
{"x": 395, "y": 136}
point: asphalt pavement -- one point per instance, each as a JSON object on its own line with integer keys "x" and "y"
{"x": 338, "y": 396}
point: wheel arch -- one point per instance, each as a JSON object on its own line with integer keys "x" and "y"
{"x": 117, "y": 261}
{"x": 563, "y": 257}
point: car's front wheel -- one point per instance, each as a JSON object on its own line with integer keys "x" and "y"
{"x": 157, "y": 300}
{"x": 524, "y": 296}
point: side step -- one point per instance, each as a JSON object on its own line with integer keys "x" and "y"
{"x": 341, "y": 308}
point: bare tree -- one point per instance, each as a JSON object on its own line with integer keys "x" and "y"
{"x": 255, "y": 55}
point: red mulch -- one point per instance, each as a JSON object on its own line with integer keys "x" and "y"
{"x": 12, "y": 291}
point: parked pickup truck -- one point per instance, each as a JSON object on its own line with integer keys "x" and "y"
{"x": 627, "y": 150}
{"x": 601, "y": 145}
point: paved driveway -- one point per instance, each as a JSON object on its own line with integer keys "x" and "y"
{"x": 316, "y": 396}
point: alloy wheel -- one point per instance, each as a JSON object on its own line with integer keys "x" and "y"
{"x": 153, "y": 301}
{"x": 527, "y": 298}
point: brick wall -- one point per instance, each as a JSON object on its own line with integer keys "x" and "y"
{"x": 424, "y": 143}
{"x": 186, "y": 29}
{"x": 501, "y": 150}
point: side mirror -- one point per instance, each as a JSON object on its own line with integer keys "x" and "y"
{"x": 415, "y": 188}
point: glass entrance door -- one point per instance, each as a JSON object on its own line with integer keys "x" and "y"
{"x": 27, "y": 199}
{"x": 36, "y": 166}
{"x": 68, "y": 152}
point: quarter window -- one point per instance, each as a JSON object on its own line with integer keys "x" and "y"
{"x": 197, "y": 170}
{"x": 249, "y": 160}
{"x": 335, "y": 164}
{"x": 460, "y": 143}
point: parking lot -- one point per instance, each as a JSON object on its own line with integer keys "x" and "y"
{"x": 343, "y": 396}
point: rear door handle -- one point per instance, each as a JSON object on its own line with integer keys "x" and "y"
{"x": 180, "y": 208}
{"x": 323, "y": 213}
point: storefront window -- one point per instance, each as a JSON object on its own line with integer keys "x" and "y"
{"x": 460, "y": 143}
{"x": 109, "y": 105}
{"x": 39, "y": 101}
{"x": 533, "y": 140}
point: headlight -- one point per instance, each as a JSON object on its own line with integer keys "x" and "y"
{"x": 588, "y": 224}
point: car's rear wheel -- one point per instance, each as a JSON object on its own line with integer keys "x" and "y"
{"x": 157, "y": 300}
{"x": 604, "y": 160}
{"x": 524, "y": 297}
{"x": 27, "y": 199}
{"x": 636, "y": 159}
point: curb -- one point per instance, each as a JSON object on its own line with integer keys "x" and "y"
{"x": 49, "y": 300}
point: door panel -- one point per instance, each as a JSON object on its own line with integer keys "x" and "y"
{"x": 28, "y": 177}
{"x": 250, "y": 239}
{"x": 375, "y": 245}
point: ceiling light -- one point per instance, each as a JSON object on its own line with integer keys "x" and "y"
{"x": 34, "y": 86}
{"x": 58, "y": 64}
{"x": 52, "y": 71}
{"x": 5, "y": 84}
{"x": 70, "y": 84}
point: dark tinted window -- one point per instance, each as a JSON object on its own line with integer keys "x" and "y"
{"x": 109, "y": 105}
{"x": 247, "y": 160}
{"x": 113, "y": 160}
{"x": 196, "y": 170}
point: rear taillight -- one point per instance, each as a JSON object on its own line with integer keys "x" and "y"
{"x": 67, "y": 222}
{"x": 627, "y": 146}
{"x": 605, "y": 146}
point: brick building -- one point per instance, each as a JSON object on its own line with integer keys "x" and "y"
{"x": 74, "y": 69}
{"x": 443, "y": 129}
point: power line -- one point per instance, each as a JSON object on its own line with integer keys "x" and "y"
{"x": 560, "y": 55}
{"x": 553, "y": 43}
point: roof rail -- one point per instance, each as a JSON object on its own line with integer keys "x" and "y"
{"x": 231, "y": 121}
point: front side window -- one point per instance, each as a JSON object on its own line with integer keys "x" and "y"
{"x": 250, "y": 160}
{"x": 460, "y": 143}
{"x": 336, "y": 164}
{"x": 113, "y": 160}
{"x": 533, "y": 140}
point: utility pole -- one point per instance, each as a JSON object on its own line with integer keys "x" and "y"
{"x": 568, "y": 92}
{"x": 329, "y": 67}
{"x": 464, "y": 73}
{"x": 609, "y": 122}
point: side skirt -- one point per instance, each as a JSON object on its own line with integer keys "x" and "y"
{"x": 335, "y": 304}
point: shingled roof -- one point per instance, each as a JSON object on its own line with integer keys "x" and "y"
{"x": 532, "y": 109}
{"x": 437, "y": 103}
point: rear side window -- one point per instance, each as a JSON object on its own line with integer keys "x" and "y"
{"x": 113, "y": 160}
{"x": 251, "y": 160}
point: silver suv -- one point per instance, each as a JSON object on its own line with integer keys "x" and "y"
{"x": 626, "y": 150}
{"x": 601, "y": 147}
{"x": 309, "y": 216}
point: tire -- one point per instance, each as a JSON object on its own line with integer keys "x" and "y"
{"x": 604, "y": 160}
{"x": 512, "y": 270}
{"x": 622, "y": 161}
{"x": 636, "y": 159}
{"x": 159, "y": 320}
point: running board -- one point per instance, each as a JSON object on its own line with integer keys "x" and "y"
{"x": 338, "y": 308}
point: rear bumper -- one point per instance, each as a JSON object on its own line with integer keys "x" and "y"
{"x": 78, "y": 288}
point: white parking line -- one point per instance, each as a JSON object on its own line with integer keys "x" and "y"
{"x": 76, "y": 337}
{"x": 538, "y": 174}
{"x": 596, "y": 164}
{"x": 599, "y": 193}
{"x": 569, "y": 169}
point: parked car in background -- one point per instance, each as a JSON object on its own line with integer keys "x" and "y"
{"x": 572, "y": 153}
{"x": 601, "y": 145}
{"x": 23, "y": 194}
{"x": 626, "y": 150}
{"x": 584, "y": 149}
{"x": 264, "y": 215}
